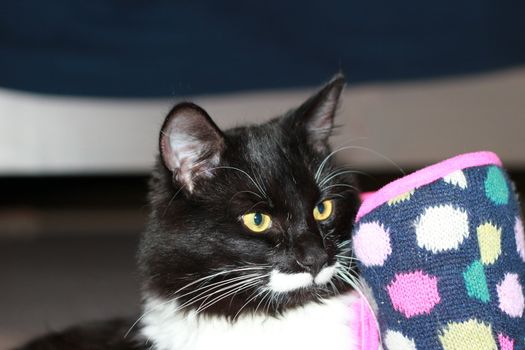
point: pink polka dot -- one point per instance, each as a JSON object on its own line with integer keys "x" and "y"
{"x": 505, "y": 343}
{"x": 414, "y": 293}
{"x": 520, "y": 238}
{"x": 372, "y": 244}
{"x": 510, "y": 294}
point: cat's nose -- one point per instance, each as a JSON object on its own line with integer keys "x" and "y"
{"x": 313, "y": 260}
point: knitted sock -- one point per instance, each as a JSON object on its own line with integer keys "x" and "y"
{"x": 443, "y": 254}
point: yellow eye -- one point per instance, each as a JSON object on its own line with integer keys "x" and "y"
{"x": 323, "y": 210}
{"x": 257, "y": 221}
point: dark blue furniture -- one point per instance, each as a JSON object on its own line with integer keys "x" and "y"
{"x": 154, "y": 48}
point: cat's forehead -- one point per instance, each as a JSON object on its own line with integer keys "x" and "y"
{"x": 270, "y": 148}
{"x": 278, "y": 162}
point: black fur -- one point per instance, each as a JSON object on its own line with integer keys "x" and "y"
{"x": 93, "y": 336}
{"x": 194, "y": 227}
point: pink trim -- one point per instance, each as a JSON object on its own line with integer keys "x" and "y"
{"x": 365, "y": 195}
{"x": 363, "y": 326}
{"x": 425, "y": 176}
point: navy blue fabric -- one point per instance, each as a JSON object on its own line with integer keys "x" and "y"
{"x": 448, "y": 266}
{"x": 147, "y": 48}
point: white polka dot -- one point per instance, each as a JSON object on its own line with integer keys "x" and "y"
{"x": 395, "y": 340}
{"x": 456, "y": 178}
{"x": 442, "y": 228}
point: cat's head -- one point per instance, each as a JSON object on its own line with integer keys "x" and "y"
{"x": 252, "y": 218}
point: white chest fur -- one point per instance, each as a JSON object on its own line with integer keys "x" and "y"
{"x": 313, "y": 326}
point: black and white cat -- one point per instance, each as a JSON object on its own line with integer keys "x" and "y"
{"x": 247, "y": 245}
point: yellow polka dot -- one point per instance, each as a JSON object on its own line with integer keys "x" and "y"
{"x": 471, "y": 334}
{"x": 489, "y": 239}
{"x": 401, "y": 198}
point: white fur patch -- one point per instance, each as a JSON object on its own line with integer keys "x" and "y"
{"x": 281, "y": 282}
{"x": 285, "y": 282}
{"x": 313, "y": 326}
{"x": 325, "y": 275}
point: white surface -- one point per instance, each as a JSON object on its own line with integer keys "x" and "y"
{"x": 411, "y": 123}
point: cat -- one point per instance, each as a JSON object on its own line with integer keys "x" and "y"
{"x": 248, "y": 239}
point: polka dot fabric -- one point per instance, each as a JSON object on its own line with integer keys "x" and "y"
{"x": 444, "y": 258}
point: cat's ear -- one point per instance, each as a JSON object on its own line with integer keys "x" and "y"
{"x": 190, "y": 144}
{"x": 315, "y": 117}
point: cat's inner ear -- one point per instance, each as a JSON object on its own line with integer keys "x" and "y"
{"x": 316, "y": 115}
{"x": 191, "y": 144}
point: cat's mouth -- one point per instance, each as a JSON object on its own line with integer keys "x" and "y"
{"x": 281, "y": 282}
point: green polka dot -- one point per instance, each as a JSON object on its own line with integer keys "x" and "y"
{"x": 496, "y": 187}
{"x": 476, "y": 282}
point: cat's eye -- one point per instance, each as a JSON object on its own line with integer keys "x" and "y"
{"x": 257, "y": 221}
{"x": 323, "y": 210}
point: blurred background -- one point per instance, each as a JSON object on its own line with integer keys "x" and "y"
{"x": 85, "y": 85}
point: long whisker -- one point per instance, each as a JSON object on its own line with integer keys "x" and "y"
{"x": 237, "y": 288}
{"x": 223, "y": 272}
{"x": 206, "y": 293}
{"x": 381, "y": 155}
{"x": 341, "y": 185}
{"x": 200, "y": 280}
{"x": 270, "y": 301}
{"x": 253, "y": 206}
{"x": 230, "y": 292}
{"x": 267, "y": 294}
{"x": 325, "y": 160}
{"x": 198, "y": 173}
{"x": 321, "y": 166}
{"x": 343, "y": 243}
{"x": 241, "y": 192}
{"x": 257, "y": 185}
{"x": 171, "y": 200}
{"x": 357, "y": 285}
{"x": 260, "y": 182}
{"x": 253, "y": 296}
{"x": 209, "y": 287}
{"x": 335, "y": 174}
{"x": 346, "y": 257}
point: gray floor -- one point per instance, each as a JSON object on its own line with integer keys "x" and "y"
{"x": 50, "y": 283}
